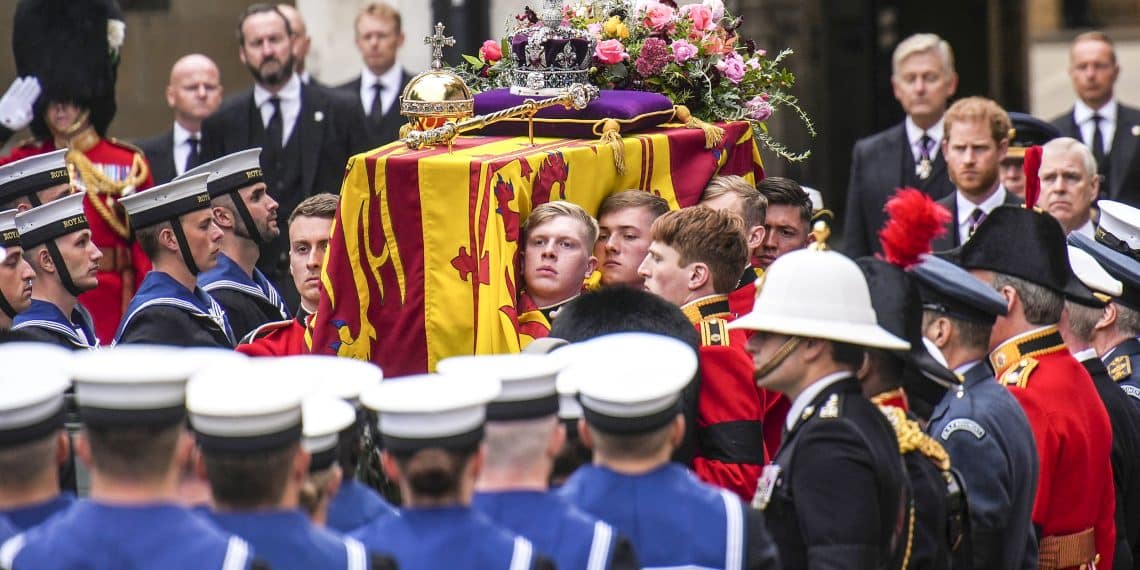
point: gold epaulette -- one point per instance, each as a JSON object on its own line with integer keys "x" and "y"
{"x": 1120, "y": 368}
{"x": 1029, "y": 345}
{"x": 1018, "y": 374}
{"x": 126, "y": 144}
{"x": 714, "y": 332}
{"x": 912, "y": 438}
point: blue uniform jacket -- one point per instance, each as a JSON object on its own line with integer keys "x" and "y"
{"x": 248, "y": 302}
{"x": 29, "y": 516}
{"x": 1124, "y": 367}
{"x": 45, "y": 322}
{"x": 673, "y": 519}
{"x": 96, "y": 536}
{"x": 558, "y": 529}
{"x": 983, "y": 428}
{"x": 165, "y": 312}
{"x": 356, "y": 505}
{"x": 447, "y": 537}
{"x": 287, "y": 540}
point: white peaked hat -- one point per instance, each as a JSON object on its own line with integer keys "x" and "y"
{"x": 818, "y": 294}
{"x": 1090, "y": 272}
{"x": 29, "y": 175}
{"x": 528, "y": 382}
{"x": 241, "y": 407}
{"x": 345, "y": 378}
{"x": 136, "y": 384}
{"x": 56, "y": 218}
{"x": 431, "y": 410}
{"x": 1121, "y": 221}
{"x": 32, "y": 386}
{"x": 231, "y": 172}
{"x": 167, "y": 201}
{"x": 324, "y": 417}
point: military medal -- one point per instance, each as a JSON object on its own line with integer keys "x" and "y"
{"x": 766, "y": 486}
{"x": 923, "y": 168}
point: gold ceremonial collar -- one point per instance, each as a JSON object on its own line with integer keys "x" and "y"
{"x": 1034, "y": 343}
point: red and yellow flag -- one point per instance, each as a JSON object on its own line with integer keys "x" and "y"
{"x": 423, "y": 261}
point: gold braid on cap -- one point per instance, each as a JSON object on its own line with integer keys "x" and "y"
{"x": 104, "y": 192}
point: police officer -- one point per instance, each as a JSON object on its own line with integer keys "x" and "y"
{"x": 1021, "y": 253}
{"x": 630, "y": 388}
{"x": 134, "y": 440}
{"x": 938, "y": 497}
{"x": 247, "y": 215}
{"x": 431, "y": 429}
{"x": 837, "y": 489}
{"x": 57, "y": 242}
{"x": 32, "y": 438}
{"x": 248, "y": 426}
{"x": 175, "y": 227}
{"x": 522, "y": 436}
{"x": 979, "y": 423}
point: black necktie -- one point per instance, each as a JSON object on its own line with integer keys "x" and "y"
{"x": 925, "y": 145}
{"x": 192, "y": 156}
{"x": 976, "y": 218}
{"x": 273, "y": 130}
{"x": 377, "y": 109}
{"x": 1097, "y": 144}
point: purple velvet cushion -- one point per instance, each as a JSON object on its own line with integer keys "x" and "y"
{"x": 633, "y": 110}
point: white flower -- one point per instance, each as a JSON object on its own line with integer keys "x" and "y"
{"x": 716, "y": 7}
{"x": 116, "y": 33}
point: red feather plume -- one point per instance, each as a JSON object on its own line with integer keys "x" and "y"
{"x": 914, "y": 221}
{"x": 1030, "y": 167}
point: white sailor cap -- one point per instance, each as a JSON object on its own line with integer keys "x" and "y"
{"x": 324, "y": 417}
{"x": 1121, "y": 222}
{"x": 56, "y": 218}
{"x": 32, "y": 386}
{"x": 9, "y": 234}
{"x": 345, "y": 378}
{"x": 231, "y": 172}
{"x": 130, "y": 385}
{"x": 23, "y": 177}
{"x": 242, "y": 408}
{"x": 431, "y": 410}
{"x": 631, "y": 382}
{"x": 167, "y": 201}
{"x": 816, "y": 198}
{"x": 1090, "y": 272}
{"x": 528, "y": 382}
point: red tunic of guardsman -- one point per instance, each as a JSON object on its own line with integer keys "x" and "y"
{"x": 72, "y": 47}
{"x": 280, "y": 338}
{"x": 730, "y": 409}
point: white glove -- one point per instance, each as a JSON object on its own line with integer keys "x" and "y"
{"x": 16, "y": 104}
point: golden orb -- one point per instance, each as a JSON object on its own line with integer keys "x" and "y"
{"x": 435, "y": 97}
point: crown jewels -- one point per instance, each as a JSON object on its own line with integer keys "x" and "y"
{"x": 551, "y": 57}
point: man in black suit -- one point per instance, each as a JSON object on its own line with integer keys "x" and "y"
{"x": 194, "y": 92}
{"x": 306, "y": 133}
{"x": 977, "y": 139}
{"x": 906, "y": 154}
{"x": 381, "y": 80}
{"x": 301, "y": 43}
{"x": 1110, "y": 129}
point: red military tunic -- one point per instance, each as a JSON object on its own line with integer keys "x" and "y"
{"x": 280, "y": 338}
{"x": 730, "y": 409}
{"x": 1074, "y": 437}
{"x": 124, "y": 264}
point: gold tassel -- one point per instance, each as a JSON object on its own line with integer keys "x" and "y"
{"x": 611, "y": 135}
{"x": 714, "y": 135}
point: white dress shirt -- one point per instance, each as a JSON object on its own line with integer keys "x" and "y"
{"x": 966, "y": 207}
{"x": 390, "y": 80}
{"x": 914, "y": 135}
{"x": 290, "y": 96}
{"x": 1088, "y": 230}
{"x": 801, "y": 402}
{"x": 1085, "y": 355}
{"x": 182, "y": 148}
{"x": 1082, "y": 116}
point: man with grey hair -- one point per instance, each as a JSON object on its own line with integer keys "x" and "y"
{"x": 906, "y": 154}
{"x": 1069, "y": 184}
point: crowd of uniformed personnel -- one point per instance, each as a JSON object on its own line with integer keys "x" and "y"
{"x": 719, "y": 388}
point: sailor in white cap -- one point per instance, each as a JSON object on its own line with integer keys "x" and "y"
{"x": 247, "y": 215}
{"x": 523, "y": 435}
{"x": 175, "y": 228}
{"x": 324, "y": 417}
{"x": 630, "y": 388}
{"x": 431, "y": 430}
{"x": 16, "y": 274}
{"x": 836, "y": 489}
{"x": 134, "y": 440}
{"x": 248, "y": 427}
{"x": 57, "y": 243}
{"x": 34, "y": 181}
{"x": 33, "y": 442}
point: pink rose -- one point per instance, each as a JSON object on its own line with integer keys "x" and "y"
{"x": 658, "y": 16}
{"x": 610, "y": 52}
{"x": 716, "y": 7}
{"x": 491, "y": 51}
{"x": 595, "y": 29}
{"x": 758, "y": 108}
{"x": 701, "y": 16}
{"x": 732, "y": 66}
{"x": 683, "y": 51}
